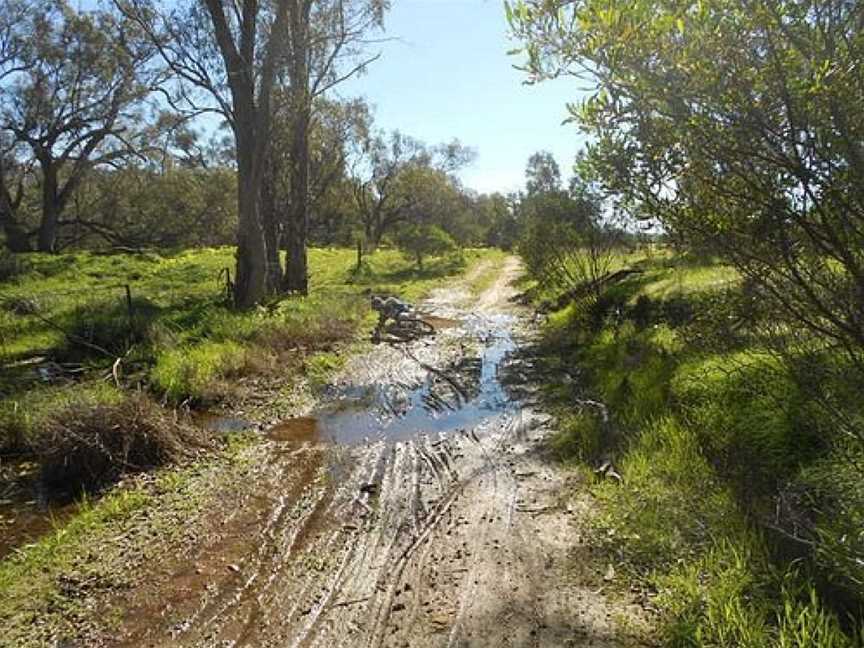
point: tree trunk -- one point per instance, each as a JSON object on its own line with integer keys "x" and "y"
{"x": 250, "y": 286}
{"x": 296, "y": 266}
{"x": 271, "y": 219}
{"x": 47, "y": 240}
{"x": 17, "y": 240}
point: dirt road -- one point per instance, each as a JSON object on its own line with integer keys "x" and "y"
{"x": 416, "y": 508}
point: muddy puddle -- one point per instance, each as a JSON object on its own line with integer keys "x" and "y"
{"x": 25, "y": 514}
{"x": 454, "y": 397}
{"x": 221, "y": 424}
{"x": 451, "y": 398}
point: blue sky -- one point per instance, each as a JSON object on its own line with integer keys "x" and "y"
{"x": 448, "y": 75}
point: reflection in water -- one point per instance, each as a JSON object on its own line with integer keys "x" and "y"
{"x": 459, "y": 397}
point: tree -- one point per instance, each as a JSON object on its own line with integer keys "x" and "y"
{"x": 136, "y": 207}
{"x": 72, "y": 87}
{"x": 384, "y": 167}
{"x": 224, "y": 59}
{"x": 423, "y": 240}
{"x": 334, "y": 126}
{"x": 498, "y": 216}
{"x": 14, "y": 176}
{"x": 737, "y": 126}
{"x": 566, "y": 241}
{"x": 542, "y": 173}
{"x": 325, "y": 38}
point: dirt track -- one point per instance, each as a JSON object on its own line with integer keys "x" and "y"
{"x": 446, "y": 526}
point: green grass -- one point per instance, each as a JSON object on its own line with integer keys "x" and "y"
{"x": 185, "y": 344}
{"x": 706, "y": 426}
{"x": 182, "y": 340}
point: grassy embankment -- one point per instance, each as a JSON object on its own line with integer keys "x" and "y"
{"x": 186, "y": 345}
{"x": 706, "y": 427}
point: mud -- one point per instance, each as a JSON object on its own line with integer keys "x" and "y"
{"x": 25, "y": 513}
{"x": 457, "y": 396}
{"x": 415, "y": 507}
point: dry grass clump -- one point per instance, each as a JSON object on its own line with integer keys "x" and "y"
{"x": 90, "y": 445}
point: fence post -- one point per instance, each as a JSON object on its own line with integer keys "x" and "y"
{"x": 359, "y": 254}
{"x": 129, "y": 306}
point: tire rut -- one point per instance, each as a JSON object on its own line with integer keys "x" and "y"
{"x": 452, "y": 536}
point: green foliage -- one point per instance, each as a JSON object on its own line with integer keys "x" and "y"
{"x": 421, "y": 241}
{"x": 713, "y": 440}
{"x": 177, "y": 207}
{"x": 321, "y": 367}
{"x": 708, "y": 156}
{"x": 579, "y": 436}
{"x": 753, "y": 409}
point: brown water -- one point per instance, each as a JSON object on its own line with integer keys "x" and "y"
{"x": 452, "y": 398}
{"x": 302, "y": 429}
{"x": 25, "y": 516}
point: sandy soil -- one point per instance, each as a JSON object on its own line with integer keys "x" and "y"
{"x": 461, "y": 533}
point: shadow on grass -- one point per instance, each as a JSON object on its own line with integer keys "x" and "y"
{"x": 435, "y": 269}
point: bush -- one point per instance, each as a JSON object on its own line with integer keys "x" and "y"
{"x": 24, "y": 416}
{"x": 421, "y": 241}
{"x": 87, "y": 446}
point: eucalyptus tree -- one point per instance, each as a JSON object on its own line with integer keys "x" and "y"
{"x": 14, "y": 177}
{"x": 738, "y": 125}
{"x": 542, "y": 174}
{"x": 334, "y": 126}
{"x": 328, "y": 42}
{"x": 225, "y": 57}
{"x": 388, "y": 174}
{"x": 72, "y": 91}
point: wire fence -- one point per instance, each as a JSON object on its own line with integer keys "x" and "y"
{"x": 85, "y": 316}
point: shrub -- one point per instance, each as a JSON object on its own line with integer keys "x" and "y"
{"x": 87, "y": 446}
{"x": 421, "y": 241}
{"x": 24, "y": 416}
